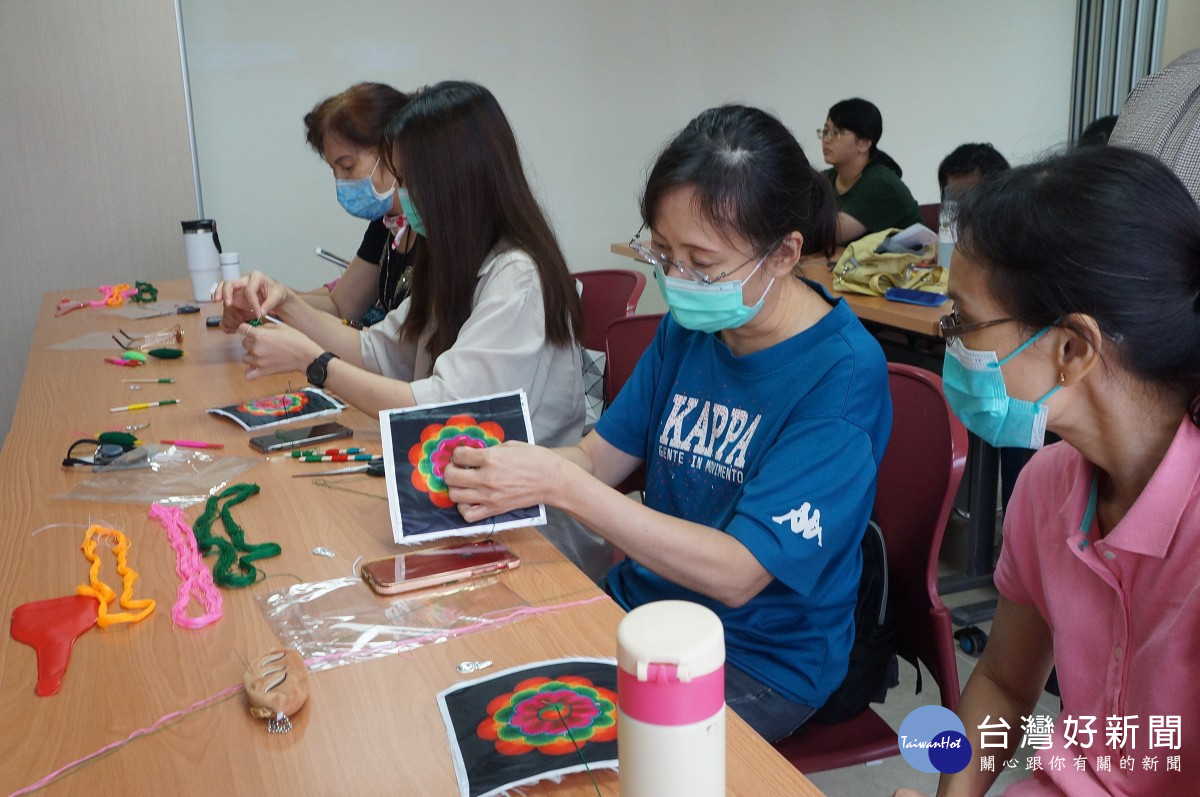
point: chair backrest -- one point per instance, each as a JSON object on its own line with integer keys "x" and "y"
{"x": 607, "y": 294}
{"x": 624, "y": 343}
{"x": 918, "y": 480}
{"x": 930, "y": 214}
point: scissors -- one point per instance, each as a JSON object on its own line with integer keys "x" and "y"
{"x": 369, "y": 468}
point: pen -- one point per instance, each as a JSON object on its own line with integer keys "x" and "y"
{"x": 327, "y": 452}
{"x": 167, "y": 381}
{"x": 343, "y": 458}
{"x": 145, "y": 406}
{"x": 192, "y": 444}
{"x": 340, "y": 262}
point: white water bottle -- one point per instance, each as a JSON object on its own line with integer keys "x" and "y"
{"x": 202, "y": 248}
{"x": 231, "y": 265}
{"x": 947, "y": 230}
{"x": 671, "y": 701}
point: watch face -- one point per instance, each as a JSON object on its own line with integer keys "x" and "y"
{"x": 316, "y": 373}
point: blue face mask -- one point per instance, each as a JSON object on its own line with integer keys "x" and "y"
{"x": 410, "y": 212}
{"x": 360, "y": 199}
{"x": 709, "y": 307}
{"x": 974, "y": 388}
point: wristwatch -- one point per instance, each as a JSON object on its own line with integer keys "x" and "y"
{"x": 318, "y": 370}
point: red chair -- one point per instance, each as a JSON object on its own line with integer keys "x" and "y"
{"x": 624, "y": 343}
{"x": 918, "y": 479}
{"x": 930, "y": 214}
{"x": 607, "y": 294}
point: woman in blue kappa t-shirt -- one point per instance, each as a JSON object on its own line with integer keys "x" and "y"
{"x": 761, "y": 411}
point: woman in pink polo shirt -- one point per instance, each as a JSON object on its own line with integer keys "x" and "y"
{"x": 1076, "y": 287}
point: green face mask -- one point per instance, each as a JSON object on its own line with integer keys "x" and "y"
{"x": 410, "y": 212}
{"x": 709, "y": 307}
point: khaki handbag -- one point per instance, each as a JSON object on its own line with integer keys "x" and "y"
{"x": 866, "y": 267}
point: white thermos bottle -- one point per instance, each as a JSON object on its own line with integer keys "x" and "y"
{"x": 202, "y": 248}
{"x": 671, "y": 701}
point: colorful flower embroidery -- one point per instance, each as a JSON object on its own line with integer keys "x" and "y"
{"x": 550, "y": 716}
{"x": 430, "y": 455}
{"x": 282, "y": 404}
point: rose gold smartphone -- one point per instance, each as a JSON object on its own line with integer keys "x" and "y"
{"x": 432, "y": 567}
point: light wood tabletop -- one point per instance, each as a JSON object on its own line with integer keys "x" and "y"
{"x": 875, "y": 309}
{"x": 369, "y": 726}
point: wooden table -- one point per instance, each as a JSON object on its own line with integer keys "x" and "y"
{"x": 372, "y": 725}
{"x": 905, "y": 317}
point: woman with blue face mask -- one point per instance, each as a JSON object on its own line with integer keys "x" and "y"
{"x": 761, "y": 411}
{"x": 1076, "y": 288}
{"x": 491, "y": 307}
{"x": 346, "y": 130}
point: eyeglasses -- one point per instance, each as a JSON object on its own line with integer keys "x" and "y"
{"x": 661, "y": 261}
{"x": 951, "y": 325}
{"x": 829, "y": 132}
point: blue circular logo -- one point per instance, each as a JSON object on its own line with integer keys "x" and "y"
{"x": 933, "y": 739}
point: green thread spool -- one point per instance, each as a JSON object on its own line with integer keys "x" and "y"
{"x": 124, "y": 439}
{"x": 146, "y": 292}
{"x": 227, "y": 552}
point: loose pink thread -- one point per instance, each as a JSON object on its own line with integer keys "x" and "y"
{"x": 527, "y": 610}
{"x": 165, "y": 718}
{"x": 195, "y": 579}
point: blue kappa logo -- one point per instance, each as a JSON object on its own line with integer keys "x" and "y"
{"x": 933, "y": 739}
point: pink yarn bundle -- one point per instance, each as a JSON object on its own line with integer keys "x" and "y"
{"x": 195, "y": 579}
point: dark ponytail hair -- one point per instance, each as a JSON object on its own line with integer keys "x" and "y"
{"x": 359, "y": 114}
{"x": 462, "y": 168}
{"x": 863, "y": 119}
{"x": 1106, "y": 232}
{"x": 750, "y": 176}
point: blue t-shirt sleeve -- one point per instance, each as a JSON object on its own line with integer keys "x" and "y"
{"x": 625, "y": 424}
{"x": 804, "y": 512}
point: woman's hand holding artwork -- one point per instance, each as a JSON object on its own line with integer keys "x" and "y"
{"x": 490, "y": 481}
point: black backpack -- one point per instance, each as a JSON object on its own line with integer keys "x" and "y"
{"x": 873, "y": 666}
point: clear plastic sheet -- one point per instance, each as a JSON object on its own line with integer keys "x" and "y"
{"x": 90, "y": 341}
{"x": 340, "y": 621}
{"x": 162, "y": 475}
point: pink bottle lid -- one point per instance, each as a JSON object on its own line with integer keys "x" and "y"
{"x": 671, "y": 663}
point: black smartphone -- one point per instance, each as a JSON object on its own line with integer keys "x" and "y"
{"x": 298, "y": 437}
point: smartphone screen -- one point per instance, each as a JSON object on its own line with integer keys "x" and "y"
{"x": 440, "y": 565}
{"x": 284, "y": 439}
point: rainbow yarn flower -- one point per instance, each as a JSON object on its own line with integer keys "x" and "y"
{"x": 430, "y": 455}
{"x": 550, "y": 716}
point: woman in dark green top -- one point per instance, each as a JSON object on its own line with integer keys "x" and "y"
{"x": 870, "y": 195}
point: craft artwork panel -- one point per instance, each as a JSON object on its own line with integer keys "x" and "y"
{"x": 261, "y": 413}
{"x": 526, "y": 724}
{"x": 417, "y": 445}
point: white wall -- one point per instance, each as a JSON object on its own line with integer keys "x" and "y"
{"x": 95, "y": 173}
{"x": 593, "y": 90}
{"x": 1181, "y": 32}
